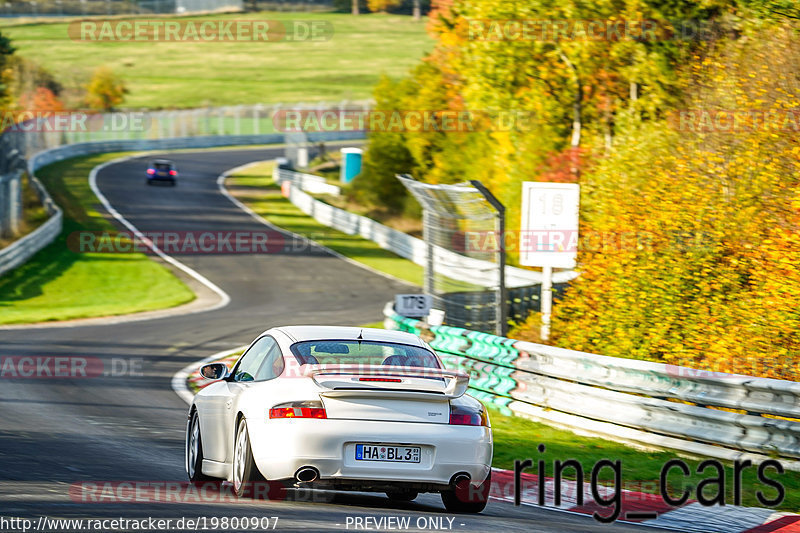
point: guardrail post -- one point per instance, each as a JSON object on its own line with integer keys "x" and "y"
{"x": 15, "y": 202}
{"x": 4, "y": 210}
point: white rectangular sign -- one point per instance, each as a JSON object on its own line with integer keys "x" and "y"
{"x": 412, "y": 305}
{"x": 549, "y": 230}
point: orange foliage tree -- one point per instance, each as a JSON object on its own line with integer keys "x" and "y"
{"x": 690, "y": 250}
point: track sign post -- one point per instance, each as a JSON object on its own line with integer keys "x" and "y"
{"x": 413, "y": 305}
{"x": 549, "y": 234}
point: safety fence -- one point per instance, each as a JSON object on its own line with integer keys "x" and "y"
{"x": 710, "y": 414}
{"x": 305, "y": 182}
{"x": 458, "y": 267}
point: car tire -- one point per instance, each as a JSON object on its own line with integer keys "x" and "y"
{"x": 245, "y": 471}
{"x": 173, "y": 182}
{"x": 402, "y": 495}
{"x": 194, "y": 450}
{"x": 466, "y": 499}
{"x": 147, "y": 181}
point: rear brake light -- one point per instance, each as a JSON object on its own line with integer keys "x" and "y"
{"x": 173, "y": 172}
{"x": 151, "y": 171}
{"x": 385, "y": 380}
{"x": 467, "y": 416}
{"x": 310, "y": 409}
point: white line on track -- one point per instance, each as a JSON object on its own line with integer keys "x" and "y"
{"x": 180, "y": 377}
{"x": 221, "y": 185}
{"x": 224, "y": 298}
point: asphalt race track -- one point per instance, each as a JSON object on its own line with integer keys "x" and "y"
{"x": 58, "y": 432}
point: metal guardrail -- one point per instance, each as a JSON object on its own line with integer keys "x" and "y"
{"x": 23, "y": 249}
{"x": 157, "y": 130}
{"x": 306, "y": 182}
{"x": 703, "y": 413}
{"x": 459, "y": 267}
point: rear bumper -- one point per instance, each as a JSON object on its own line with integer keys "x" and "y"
{"x": 281, "y": 447}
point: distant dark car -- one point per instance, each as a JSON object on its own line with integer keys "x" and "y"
{"x": 162, "y": 170}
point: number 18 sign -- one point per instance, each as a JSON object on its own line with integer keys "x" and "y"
{"x": 549, "y": 232}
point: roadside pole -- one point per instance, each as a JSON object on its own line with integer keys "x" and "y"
{"x": 547, "y": 301}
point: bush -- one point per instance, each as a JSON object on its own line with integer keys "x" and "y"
{"x": 690, "y": 251}
{"x": 106, "y": 90}
{"x": 382, "y": 5}
{"x": 377, "y": 184}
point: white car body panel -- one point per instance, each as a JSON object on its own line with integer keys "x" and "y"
{"x": 412, "y": 413}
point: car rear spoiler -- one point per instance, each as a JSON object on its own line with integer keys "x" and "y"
{"x": 389, "y": 381}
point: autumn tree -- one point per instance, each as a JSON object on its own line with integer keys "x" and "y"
{"x": 6, "y": 52}
{"x": 689, "y": 252}
{"x": 106, "y": 90}
{"x": 381, "y": 6}
{"x": 41, "y": 99}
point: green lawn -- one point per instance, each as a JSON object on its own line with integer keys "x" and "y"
{"x": 60, "y": 284}
{"x": 518, "y": 438}
{"x": 255, "y": 188}
{"x": 188, "y": 74}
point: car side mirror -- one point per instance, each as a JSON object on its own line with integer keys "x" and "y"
{"x": 214, "y": 371}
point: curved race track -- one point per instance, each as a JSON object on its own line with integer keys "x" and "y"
{"x": 58, "y": 432}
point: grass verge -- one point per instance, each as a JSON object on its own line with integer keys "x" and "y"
{"x": 60, "y": 284}
{"x": 181, "y": 74}
{"x": 257, "y": 190}
{"x": 518, "y": 438}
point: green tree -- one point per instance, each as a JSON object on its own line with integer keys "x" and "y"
{"x": 6, "y": 51}
{"x": 386, "y": 156}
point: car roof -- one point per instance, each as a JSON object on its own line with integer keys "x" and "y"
{"x": 162, "y": 161}
{"x": 308, "y": 333}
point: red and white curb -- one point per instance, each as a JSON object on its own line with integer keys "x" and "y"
{"x": 692, "y": 517}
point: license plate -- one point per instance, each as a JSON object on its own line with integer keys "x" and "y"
{"x": 392, "y": 454}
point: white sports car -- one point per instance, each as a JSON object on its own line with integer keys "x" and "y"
{"x": 346, "y": 409}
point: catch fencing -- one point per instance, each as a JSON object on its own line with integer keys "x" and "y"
{"x": 305, "y": 182}
{"x": 710, "y": 414}
{"x": 473, "y": 308}
{"x": 451, "y": 264}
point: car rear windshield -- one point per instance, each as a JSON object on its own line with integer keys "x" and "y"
{"x": 326, "y": 352}
{"x": 163, "y": 166}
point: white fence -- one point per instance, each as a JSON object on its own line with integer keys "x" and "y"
{"x": 454, "y": 266}
{"x": 305, "y": 182}
{"x": 703, "y": 413}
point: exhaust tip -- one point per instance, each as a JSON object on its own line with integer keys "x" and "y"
{"x": 306, "y": 474}
{"x": 460, "y": 479}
